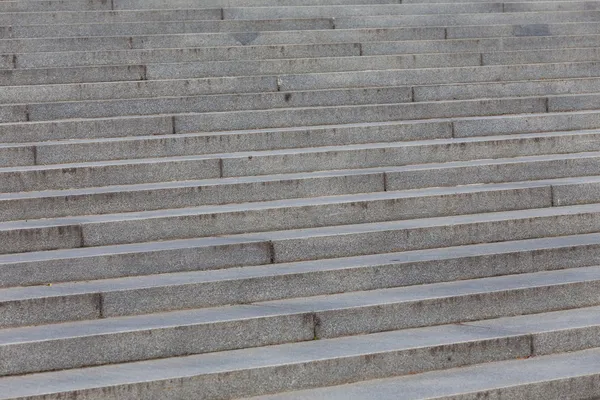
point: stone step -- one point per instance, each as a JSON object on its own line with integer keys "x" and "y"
{"x": 166, "y": 27}
{"x": 62, "y": 5}
{"x": 449, "y": 20}
{"x": 268, "y": 162}
{"x": 152, "y": 146}
{"x": 518, "y": 30}
{"x": 302, "y": 365}
{"x": 106, "y": 73}
{"x": 69, "y": 5}
{"x": 506, "y": 24}
{"x": 108, "y": 16}
{"x": 483, "y": 45}
{"x": 464, "y": 91}
{"x": 137, "y": 89}
{"x": 446, "y": 9}
{"x": 182, "y": 40}
{"x": 400, "y": 174}
{"x": 193, "y": 121}
{"x": 182, "y": 194}
{"x": 287, "y": 59}
{"x": 550, "y": 377}
{"x": 372, "y": 99}
{"x": 311, "y": 116}
{"x": 205, "y": 103}
{"x": 390, "y": 70}
{"x": 222, "y": 93}
{"x": 163, "y": 125}
{"x": 134, "y": 338}
{"x": 372, "y": 136}
{"x": 321, "y": 243}
{"x": 384, "y": 41}
{"x": 411, "y": 76}
{"x": 283, "y": 246}
{"x": 162, "y": 33}
{"x": 251, "y": 13}
{"x": 152, "y": 56}
{"x": 525, "y": 24}
{"x": 141, "y": 294}
{"x": 216, "y": 220}
{"x": 191, "y": 144}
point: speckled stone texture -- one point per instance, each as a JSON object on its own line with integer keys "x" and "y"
{"x": 299, "y": 199}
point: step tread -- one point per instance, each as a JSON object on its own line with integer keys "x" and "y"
{"x": 464, "y": 381}
{"x": 324, "y": 149}
{"x": 301, "y": 267}
{"x": 265, "y": 205}
{"x": 304, "y": 352}
{"x": 294, "y": 234}
{"x": 212, "y": 363}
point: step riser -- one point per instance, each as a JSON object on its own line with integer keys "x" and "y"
{"x": 15, "y": 6}
{"x": 157, "y": 343}
{"x": 250, "y": 13}
{"x": 520, "y": 30}
{"x": 540, "y": 56}
{"x": 136, "y": 57}
{"x": 460, "y": 20}
{"x": 360, "y": 114}
{"x": 373, "y": 42}
{"x": 212, "y": 224}
{"x": 298, "y": 376}
{"x": 205, "y": 167}
{"x": 400, "y": 10}
{"x": 490, "y": 173}
{"x": 350, "y": 73}
{"x": 558, "y": 376}
{"x": 580, "y": 387}
{"x": 146, "y": 260}
{"x": 478, "y": 45}
{"x": 23, "y": 45}
{"x": 370, "y": 277}
{"x": 364, "y": 276}
{"x": 141, "y": 261}
{"x": 366, "y": 319}
{"x": 214, "y": 103}
{"x": 345, "y": 58}
{"x": 262, "y": 34}
{"x": 507, "y": 89}
{"x": 190, "y": 144}
{"x": 76, "y": 75}
{"x": 416, "y": 77}
{"x": 117, "y": 127}
{"x": 164, "y": 27}
{"x": 74, "y": 17}
{"x": 198, "y": 195}
{"x": 332, "y": 55}
{"x": 145, "y": 126}
{"x": 472, "y": 127}
{"x": 138, "y": 89}
{"x": 571, "y": 100}
{"x": 108, "y": 174}
{"x": 321, "y": 247}
{"x": 196, "y": 339}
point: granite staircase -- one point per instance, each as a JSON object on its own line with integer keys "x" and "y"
{"x": 299, "y": 199}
